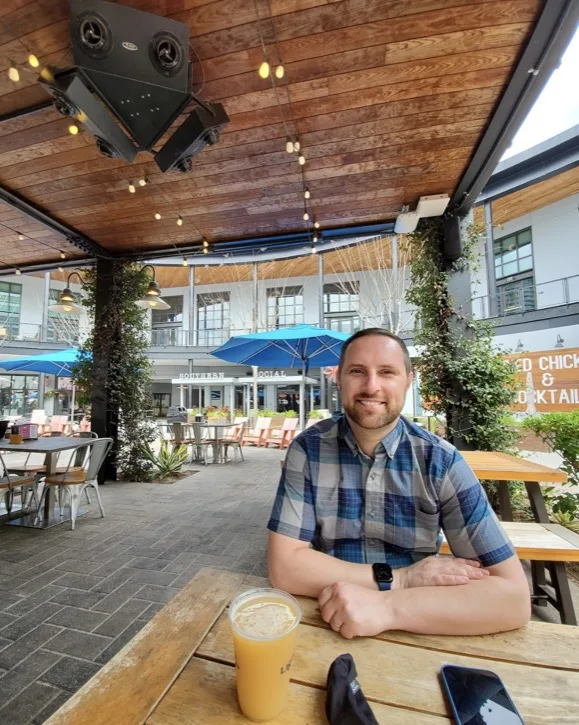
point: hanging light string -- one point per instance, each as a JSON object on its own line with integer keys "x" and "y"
{"x": 22, "y": 237}
{"x": 293, "y": 142}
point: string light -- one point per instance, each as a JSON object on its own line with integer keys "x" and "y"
{"x": 13, "y": 72}
{"x": 157, "y": 216}
{"x": 307, "y": 193}
{"x": 33, "y": 61}
{"x": 205, "y": 243}
{"x": 301, "y": 159}
{"x": 62, "y": 255}
{"x": 73, "y": 129}
{"x": 184, "y": 262}
{"x": 21, "y": 236}
{"x": 132, "y": 188}
{"x": 314, "y": 250}
{"x": 315, "y": 237}
{"x": 289, "y": 147}
{"x": 264, "y": 69}
{"x": 18, "y": 272}
{"x": 61, "y": 270}
{"x": 143, "y": 181}
{"x": 306, "y": 216}
{"x": 317, "y": 225}
{"x": 205, "y": 250}
{"x": 47, "y": 74}
{"x": 279, "y": 71}
{"x": 297, "y": 145}
{"x": 179, "y": 221}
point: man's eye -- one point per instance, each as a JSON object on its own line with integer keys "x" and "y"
{"x": 355, "y": 370}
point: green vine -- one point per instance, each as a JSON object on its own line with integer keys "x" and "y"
{"x": 463, "y": 375}
{"x": 120, "y": 337}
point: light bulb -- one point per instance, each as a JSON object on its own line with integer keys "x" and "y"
{"x": 297, "y": 145}
{"x": 302, "y": 159}
{"x": 264, "y": 69}
{"x": 315, "y": 237}
{"x": 279, "y": 71}
{"x": 47, "y": 74}
{"x": 143, "y": 181}
{"x": 61, "y": 270}
{"x": 306, "y": 216}
{"x": 152, "y": 303}
{"x": 289, "y": 147}
{"x": 205, "y": 250}
{"x": 317, "y": 225}
{"x": 62, "y": 255}
{"x": 205, "y": 243}
{"x": 132, "y": 188}
{"x": 179, "y": 221}
{"x": 33, "y": 60}
{"x": 13, "y": 73}
{"x": 21, "y": 237}
{"x": 307, "y": 194}
{"x": 157, "y": 216}
{"x": 18, "y": 272}
{"x": 73, "y": 129}
{"x": 314, "y": 250}
{"x": 67, "y": 308}
{"x": 184, "y": 262}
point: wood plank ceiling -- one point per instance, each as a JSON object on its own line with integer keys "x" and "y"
{"x": 389, "y": 98}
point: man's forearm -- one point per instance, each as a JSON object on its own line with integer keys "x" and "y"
{"x": 490, "y": 605}
{"x": 308, "y": 572}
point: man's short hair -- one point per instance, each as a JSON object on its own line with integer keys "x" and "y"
{"x": 383, "y": 333}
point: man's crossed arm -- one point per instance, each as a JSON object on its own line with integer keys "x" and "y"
{"x": 438, "y": 595}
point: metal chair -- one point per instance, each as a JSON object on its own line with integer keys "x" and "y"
{"x": 13, "y": 483}
{"x": 73, "y": 480}
{"x": 235, "y": 442}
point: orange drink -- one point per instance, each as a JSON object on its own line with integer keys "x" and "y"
{"x": 264, "y": 624}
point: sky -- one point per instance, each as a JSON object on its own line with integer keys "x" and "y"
{"x": 556, "y": 109}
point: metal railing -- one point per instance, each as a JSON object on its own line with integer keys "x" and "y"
{"x": 21, "y": 331}
{"x": 516, "y": 301}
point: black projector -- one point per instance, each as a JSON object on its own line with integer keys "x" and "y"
{"x": 135, "y": 66}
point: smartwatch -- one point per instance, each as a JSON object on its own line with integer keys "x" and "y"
{"x": 383, "y": 576}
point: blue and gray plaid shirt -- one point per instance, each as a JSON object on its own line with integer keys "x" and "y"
{"x": 391, "y": 508}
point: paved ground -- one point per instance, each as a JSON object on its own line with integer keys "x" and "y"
{"x": 69, "y": 600}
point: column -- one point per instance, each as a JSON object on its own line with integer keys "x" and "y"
{"x": 255, "y": 318}
{"x": 490, "y": 259}
{"x": 44, "y": 328}
{"x": 395, "y": 314}
{"x": 321, "y": 324}
{"x": 193, "y": 337}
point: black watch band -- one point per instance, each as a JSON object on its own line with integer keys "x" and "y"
{"x": 383, "y": 576}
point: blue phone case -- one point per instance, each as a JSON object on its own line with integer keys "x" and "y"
{"x": 450, "y": 699}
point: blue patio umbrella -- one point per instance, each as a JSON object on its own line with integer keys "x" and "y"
{"x": 58, "y": 362}
{"x": 299, "y": 346}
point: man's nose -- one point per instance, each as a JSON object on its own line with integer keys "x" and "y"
{"x": 371, "y": 383}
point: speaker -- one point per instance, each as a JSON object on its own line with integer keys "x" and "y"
{"x": 137, "y": 62}
{"x": 454, "y": 228}
{"x": 201, "y": 128}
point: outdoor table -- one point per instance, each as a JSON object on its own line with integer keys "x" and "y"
{"x": 178, "y": 433}
{"x": 502, "y": 467}
{"x": 180, "y": 670}
{"x": 50, "y": 446}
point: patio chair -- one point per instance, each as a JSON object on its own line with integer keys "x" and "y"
{"x": 201, "y": 443}
{"x": 73, "y": 480}
{"x": 235, "y": 442}
{"x": 258, "y": 434}
{"x": 14, "y": 483}
{"x": 230, "y": 433}
{"x": 283, "y": 436}
{"x": 58, "y": 425}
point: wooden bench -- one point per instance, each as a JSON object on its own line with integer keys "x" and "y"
{"x": 538, "y": 542}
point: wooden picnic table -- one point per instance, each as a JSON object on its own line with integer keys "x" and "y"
{"x": 180, "y": 670}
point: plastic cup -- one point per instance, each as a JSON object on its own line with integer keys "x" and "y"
{"x": 263, "y": 650}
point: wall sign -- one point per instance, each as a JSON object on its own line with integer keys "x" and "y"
{"x": 550, "y": 380}
{"x": 201, "y": 376}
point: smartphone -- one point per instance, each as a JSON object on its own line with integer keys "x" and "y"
{"x": 478, "y": 697}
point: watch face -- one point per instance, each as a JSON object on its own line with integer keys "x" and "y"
{"x": 383, "y": 572}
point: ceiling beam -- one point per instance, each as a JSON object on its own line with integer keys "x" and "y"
{"x": 28, "y": 111}
{"x": 86, "y": 244}
{"x": 542, "y": 54}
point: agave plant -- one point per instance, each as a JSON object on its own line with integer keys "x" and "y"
{"x": 169, "y": 459}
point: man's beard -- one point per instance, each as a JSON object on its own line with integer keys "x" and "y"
{"x": 369, "y": 419}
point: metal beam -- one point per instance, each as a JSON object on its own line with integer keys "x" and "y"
{"x": 47, "y": 266}
{"x": 72, "y": 235}
{"x": 28, "y": 111}
{"x": 540, "y": 57}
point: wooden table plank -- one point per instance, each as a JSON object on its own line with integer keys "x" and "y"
{"x": 127, "y": 689}
{"x": 539, "y": 643}
{"x": 403, "y": 676}
{"x": 204, "y": 694}
{"x": 496, "y": 466}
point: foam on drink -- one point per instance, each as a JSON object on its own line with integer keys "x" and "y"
{"x": 265, "y": 618}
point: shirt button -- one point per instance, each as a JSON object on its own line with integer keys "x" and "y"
{"x": 371, "y": 514}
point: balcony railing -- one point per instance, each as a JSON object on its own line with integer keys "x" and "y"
{"x": 20, "y": 331}
{"x": 557, "y": 292}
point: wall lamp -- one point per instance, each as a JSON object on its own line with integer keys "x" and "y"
{"x": 66, "y": 301}
{"x": 152, "y": 299}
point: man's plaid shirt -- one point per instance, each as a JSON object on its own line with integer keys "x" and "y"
{"x": 388, "y": 509}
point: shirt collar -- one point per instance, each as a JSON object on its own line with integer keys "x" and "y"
{"x": 388, "y": 444}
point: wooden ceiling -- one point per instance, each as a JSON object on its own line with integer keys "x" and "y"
{"x": 389, "y": 97}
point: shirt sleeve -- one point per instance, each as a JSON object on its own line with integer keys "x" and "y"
{"x": 472, "y": 528}
{"x": 293, "y": 509}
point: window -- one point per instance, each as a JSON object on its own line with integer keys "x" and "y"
{"x": 18, "y": 394}
{"x": 513, "y": 254}
{"x": 343, "y": 297}
{"x": 62, "y": 325}
{"x": 10, "y": 297}
{"x": 285, "y": 306}
{"x": 167, "y": 318}
{"x": 516, "y": 297}
{"x": 213, "y": 318}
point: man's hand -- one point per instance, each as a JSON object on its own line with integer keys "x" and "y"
{"x": 354, "y": 611}
{"x": 435, "y": 571}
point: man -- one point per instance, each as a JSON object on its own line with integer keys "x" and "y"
{"x": 360, "y": 504}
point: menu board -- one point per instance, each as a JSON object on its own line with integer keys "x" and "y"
{"x": 549, "y": 380}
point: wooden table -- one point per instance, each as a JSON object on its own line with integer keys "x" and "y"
{"x": 50, "y": 447}
{"x": 502, "y": 467}
{"x": 179, "y": 670}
